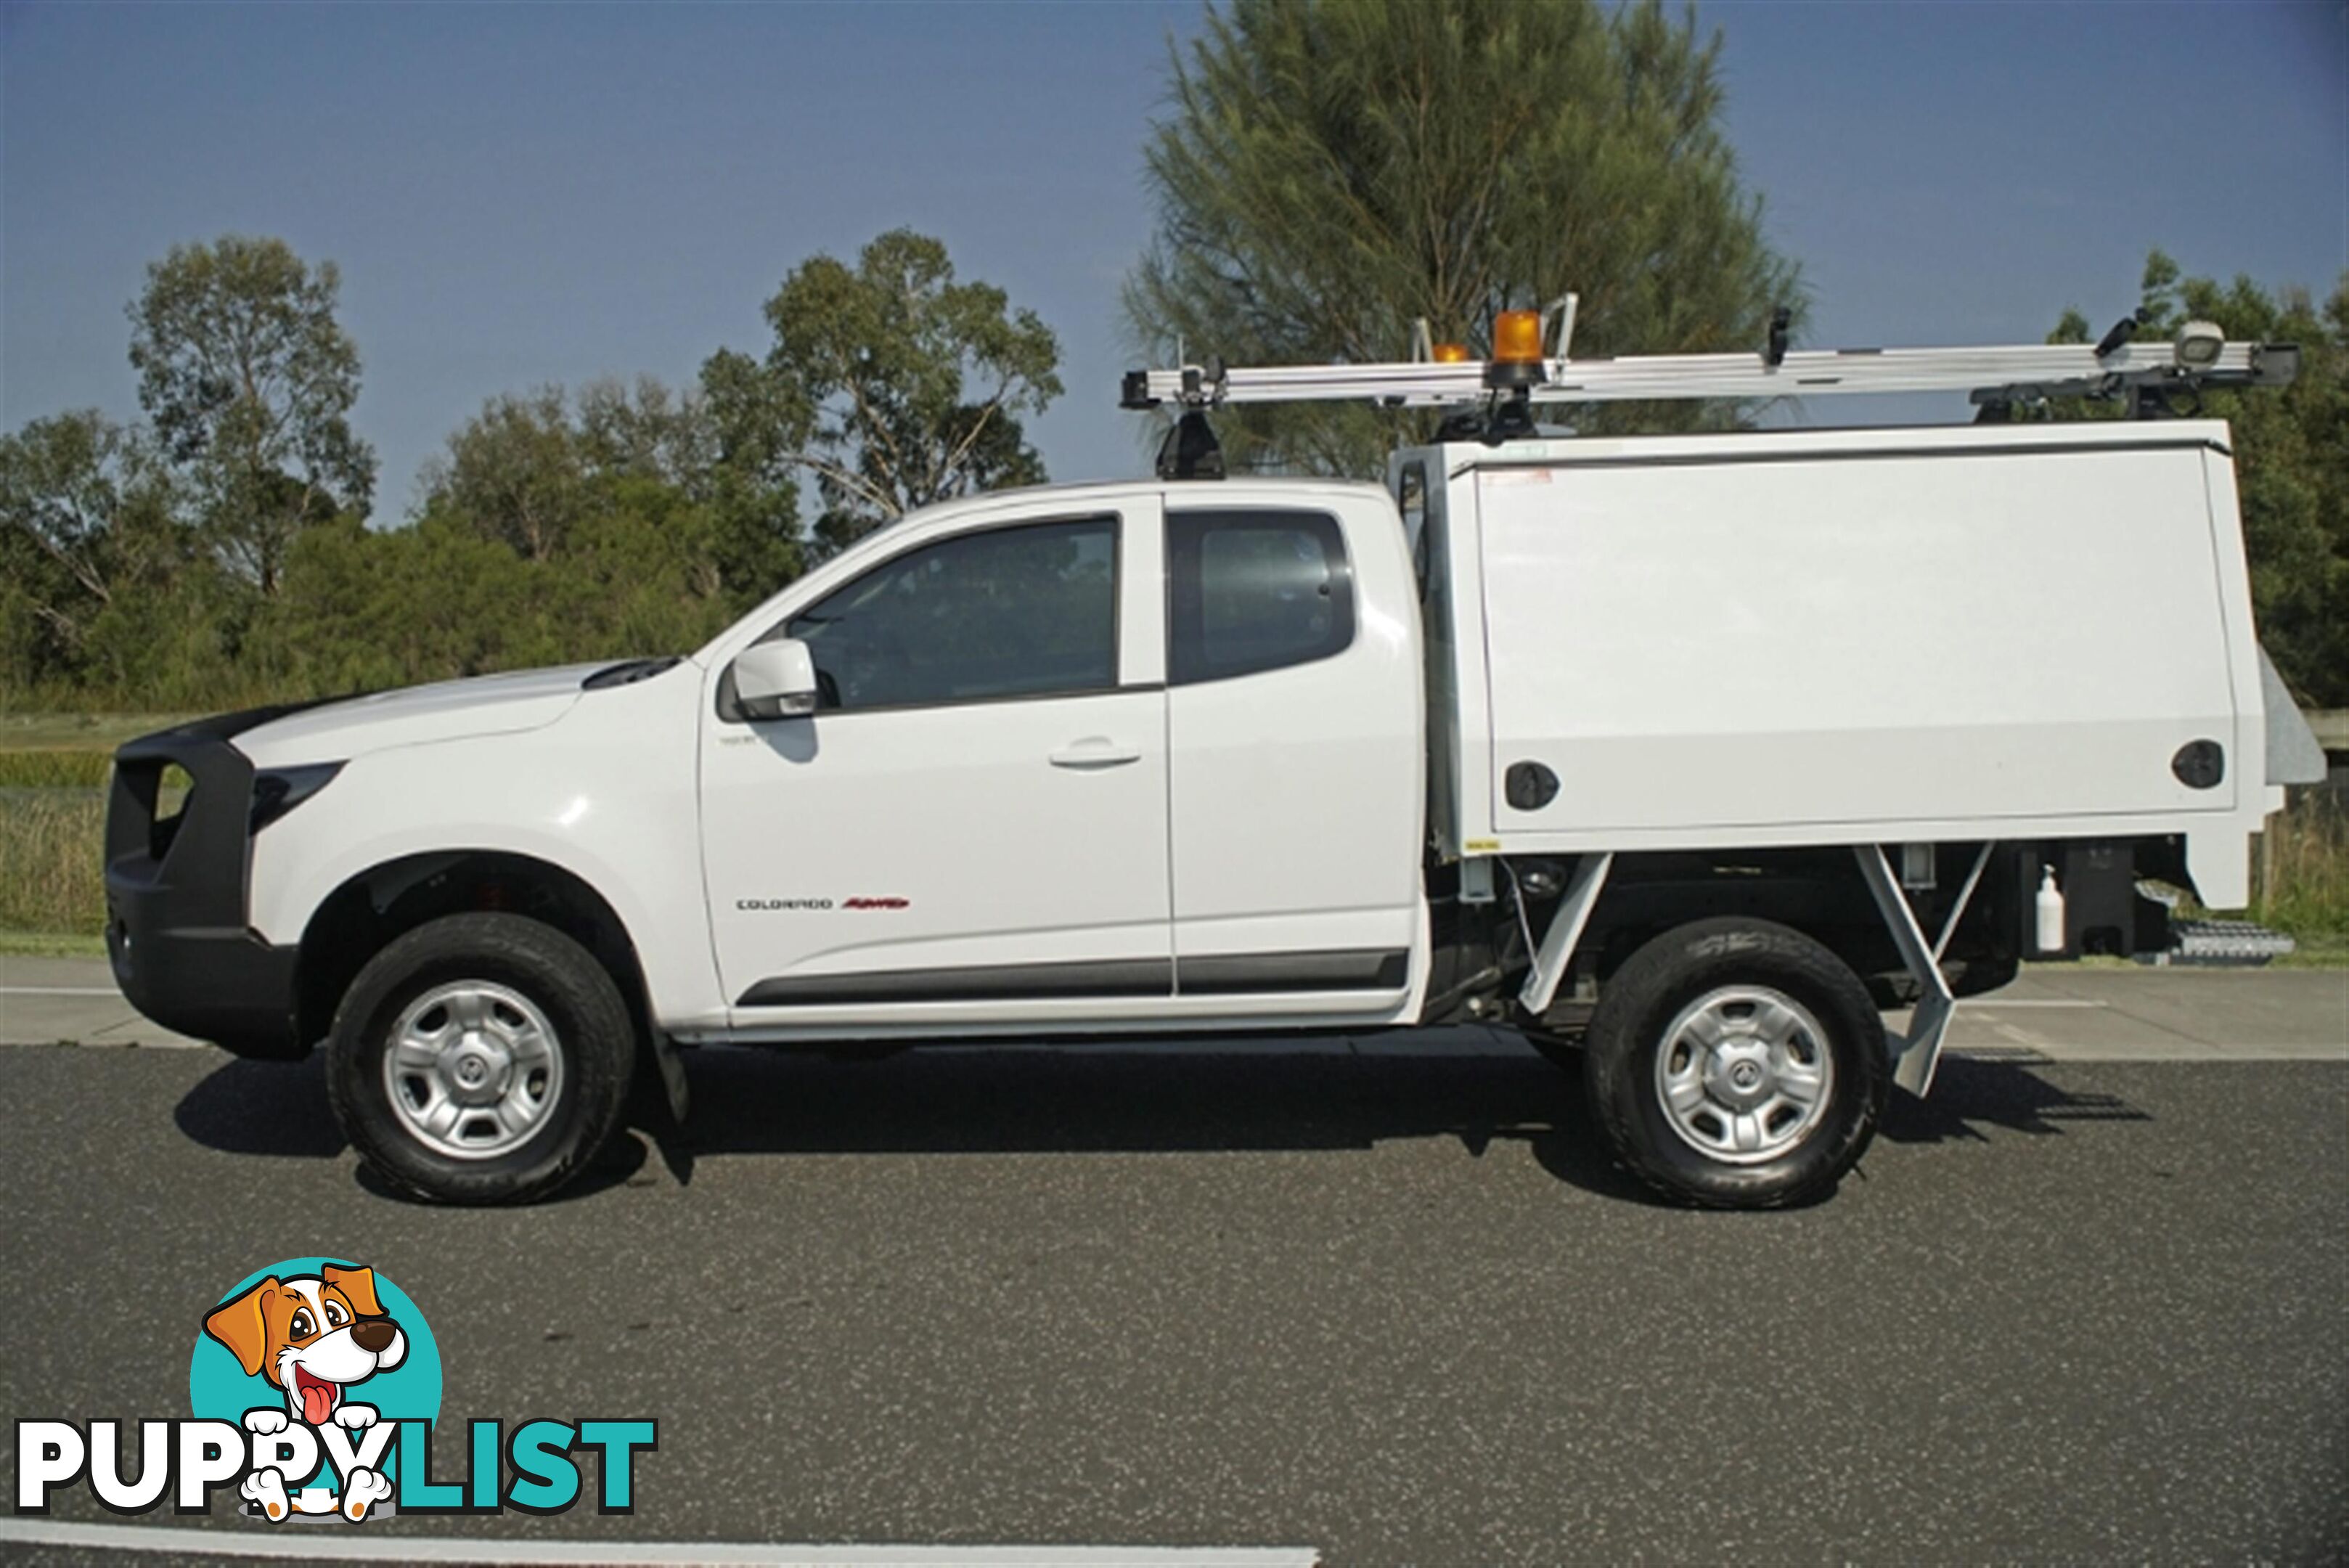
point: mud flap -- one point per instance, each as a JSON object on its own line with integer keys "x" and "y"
{"x": 671, "y": 1064}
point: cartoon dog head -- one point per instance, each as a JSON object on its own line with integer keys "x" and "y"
{"x": 311, "y": 1335}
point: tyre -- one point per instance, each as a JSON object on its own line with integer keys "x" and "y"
{"x": 481, "y": 1059}
{"x": 1737, "y": 1064}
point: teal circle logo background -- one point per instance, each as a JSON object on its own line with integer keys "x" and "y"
{"x": 218, "y": 1388}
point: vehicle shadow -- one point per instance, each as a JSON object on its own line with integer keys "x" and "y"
{"x": 265, "y": 1108}
{"x": 1973, "y": 1093}
{"x": 1170, "y": 1099}
{"x": 279, "y": 1109}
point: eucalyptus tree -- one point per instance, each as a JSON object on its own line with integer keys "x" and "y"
{"x": 1331, "y": 172}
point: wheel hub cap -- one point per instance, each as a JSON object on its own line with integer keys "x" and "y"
{"x": 473, "y": 1069}
{"x": 1738, "y": 1074}
{"x": 1743, "y": 1074}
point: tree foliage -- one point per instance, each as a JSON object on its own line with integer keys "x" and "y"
{"x": 514, "y": 473}
{"x": 891, "y": 383}
{"x": 218, "y": 554}
{"x": 556, "y": 527}
{"x": 363, "y": 609}
{"x": 1332, "y": 171}
{"x": 249, "y": 380}
{"x": 92, "y": 553}
{"x": 2291, "y": 459}
{"x": 534, "y": 471}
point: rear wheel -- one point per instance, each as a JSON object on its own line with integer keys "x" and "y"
{"x": 480, "y": 1058}
{"x": 1737, "y": 1064}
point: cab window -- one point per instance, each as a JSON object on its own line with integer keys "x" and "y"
{"x": 1249, "y": 591}
{"x": 1024, "y": 611}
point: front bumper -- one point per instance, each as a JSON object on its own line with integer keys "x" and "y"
{"x": 176, "y": 929}
{"x": 228, "y": 987}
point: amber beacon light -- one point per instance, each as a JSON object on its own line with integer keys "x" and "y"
{"x": 1516, "y": 359}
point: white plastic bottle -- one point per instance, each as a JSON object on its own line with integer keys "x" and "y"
{"x": 2049, "y": 907}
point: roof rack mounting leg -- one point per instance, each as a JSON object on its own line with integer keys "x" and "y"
{"x": 1191, "y": 449}
{"x": 1510, "y": 419}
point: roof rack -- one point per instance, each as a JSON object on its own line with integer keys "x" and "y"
{"x": 1492, "y": 400}
{"x": 1993, "y": 374}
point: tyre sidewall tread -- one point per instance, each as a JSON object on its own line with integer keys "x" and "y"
{"x": 591, "y": 1021}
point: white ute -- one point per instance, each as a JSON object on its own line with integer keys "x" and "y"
{"x": 1684, "y": 755}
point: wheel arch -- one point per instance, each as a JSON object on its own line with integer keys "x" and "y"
{"x": 372, "y": 908}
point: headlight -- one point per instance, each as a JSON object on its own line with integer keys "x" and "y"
{"x": 276, "y": 791}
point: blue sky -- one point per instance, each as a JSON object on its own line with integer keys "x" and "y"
{"x": 521, "y": 194}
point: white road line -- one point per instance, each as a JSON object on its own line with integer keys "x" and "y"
{"x": 1993, "y": 1002}
{"x": 141, "y": 1042}
{"x": 59, "y": 991}
{"x": 317, "y": 1545}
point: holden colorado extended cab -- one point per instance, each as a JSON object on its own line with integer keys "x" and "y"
{"x": 1684, "y": 755}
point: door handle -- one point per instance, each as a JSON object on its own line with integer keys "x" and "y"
{"x": 1094, "y": 751}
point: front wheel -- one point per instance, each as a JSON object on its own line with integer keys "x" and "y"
{"x": 1737, "y": 1064}
{"x": 480, "y": 1058}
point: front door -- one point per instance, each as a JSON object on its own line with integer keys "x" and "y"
{"x": 972, "y": 826}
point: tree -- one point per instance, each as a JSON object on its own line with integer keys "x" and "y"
{"x": 646, "y": 430}
{"x": 1333, "y": 171}
{"x": 85, "y": 517}
{"x": 514, "y": 473}
{"x": 869, "y": 385}
{"x": 756, "y": 543}
{"x": 249, "y": 381}
{"x": 534, "y": 471}
{"x": 103, "y": 588}
{"x": 2291, "y": 459}
{"x": 363, "y": 609}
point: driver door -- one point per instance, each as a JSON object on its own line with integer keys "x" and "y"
{"x": 972, "y": 827}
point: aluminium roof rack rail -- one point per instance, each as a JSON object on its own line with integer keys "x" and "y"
{"x": 1991, "y": 374}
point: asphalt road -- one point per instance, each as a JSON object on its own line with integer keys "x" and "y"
{"x": 1394, "y": 1306}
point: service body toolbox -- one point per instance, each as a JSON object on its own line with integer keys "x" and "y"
{"x": 1850, "y": 637}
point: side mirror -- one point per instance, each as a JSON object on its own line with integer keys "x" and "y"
{"x": 775, "y": 680}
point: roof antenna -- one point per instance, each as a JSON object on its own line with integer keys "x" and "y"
{"x": 1775, "y": 355}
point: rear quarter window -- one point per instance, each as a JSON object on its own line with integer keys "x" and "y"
{"x": 1250, "y": 591}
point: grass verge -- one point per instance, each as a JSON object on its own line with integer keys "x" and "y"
{"x": 79, "y": 731}
{"x": 2317, "y": 949}
{"x": 2300, "y": 870}
{"x": 54, "y": 769}
{"x": 50, "y": 879}
{"x": 50, "y": 944}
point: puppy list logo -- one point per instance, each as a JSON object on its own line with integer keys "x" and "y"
{"x": 315, "y": 1386}
{"x": 308, "y": 1337}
